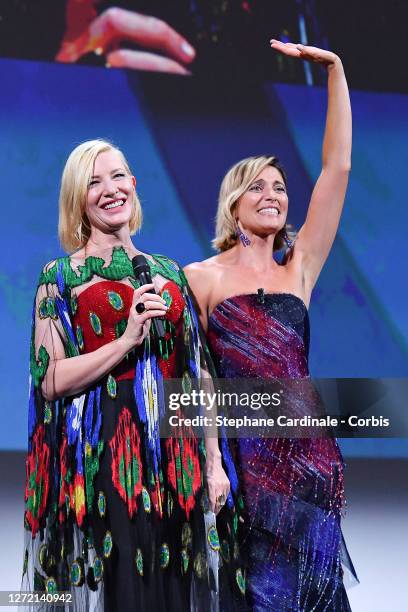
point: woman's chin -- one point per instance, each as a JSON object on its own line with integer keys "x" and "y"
{"x": 267, "y": 229}
{"x": 116, "y": 224}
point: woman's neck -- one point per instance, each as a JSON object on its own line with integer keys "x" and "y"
{"x": 258, "y": 255}
{"x": 99, "y": 240}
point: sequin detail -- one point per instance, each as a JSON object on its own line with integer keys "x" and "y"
{"x": 139, "y": 561}
{"x": 164, "y": 555}
{"x": 186, "y": 536}
{"x": 107, "y": 544}
{"x": 80, "y": 337}
{"x": 47, "y": 413}
{"x": 98, "y": 569}
{"x": 115, "y": 300}
{"x": 200, "y": 565}
{"x": 212, "y": 538}
{"x": 101, "y": 504}
{"x": 147, "y": 505}
{"x": 111, "y": 386}
{"x": 185, "y": 560}
{"x": 51, "y": 585}
{"x": 77, "y": 572}
{"x": 96, "y": 323}
{"x": 285, "y": 480}
{"x": 239, "y": 577}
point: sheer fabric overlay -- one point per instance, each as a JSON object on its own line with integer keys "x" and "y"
{"x": 114, "y": 514}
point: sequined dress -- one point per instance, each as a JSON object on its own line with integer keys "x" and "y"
{"x": 293, "y": 488}
{"x": 115, "y": 515}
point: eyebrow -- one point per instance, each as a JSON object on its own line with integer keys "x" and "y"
{"x": 275, "y": 182}
{"x": 113, "y": 172}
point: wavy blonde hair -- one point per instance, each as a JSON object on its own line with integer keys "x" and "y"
{"x": 235, "y": 183}
{"x": 73, "y": 226}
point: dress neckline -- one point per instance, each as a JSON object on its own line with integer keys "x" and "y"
{"x": 269, "y": 294}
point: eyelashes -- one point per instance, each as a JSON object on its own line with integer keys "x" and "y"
{"x": 115, "y": 176}
{"x": 259, "y": 188}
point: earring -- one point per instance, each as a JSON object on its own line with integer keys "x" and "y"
{"x": 288, "y": 241}
{"x": 243, "y": 237}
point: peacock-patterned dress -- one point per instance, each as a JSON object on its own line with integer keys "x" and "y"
{"x": 115, "y": 514}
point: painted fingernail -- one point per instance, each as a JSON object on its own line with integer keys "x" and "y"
{"x": 98, "y": 50}
{"x": 187, "y": 49}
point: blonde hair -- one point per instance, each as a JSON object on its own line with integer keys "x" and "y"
{"x": 235, "y": 183}
{"x": 73, "y": 226}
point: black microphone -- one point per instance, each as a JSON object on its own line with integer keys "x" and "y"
{"x": 141, "y": 271}
{"x": 261, "y": 296}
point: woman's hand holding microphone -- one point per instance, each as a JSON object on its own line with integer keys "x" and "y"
{"x": 145, "y": 307}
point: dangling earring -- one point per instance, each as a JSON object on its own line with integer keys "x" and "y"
{"x": 243, "y": 237}
{"x": 289, "y": 243}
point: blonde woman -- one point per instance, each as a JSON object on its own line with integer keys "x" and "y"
{"x": 114, "y": 514}
{"x": 255, "y": 312}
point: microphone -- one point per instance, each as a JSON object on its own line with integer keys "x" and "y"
{"x": 141, "y": 271}
{"x": 261, "y": 296}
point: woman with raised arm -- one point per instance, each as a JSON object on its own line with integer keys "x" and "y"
{"x": 255, "y": 312}
{"x": 116, "y": 516}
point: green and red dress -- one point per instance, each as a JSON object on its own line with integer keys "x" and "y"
{"x": 115, "y": 514}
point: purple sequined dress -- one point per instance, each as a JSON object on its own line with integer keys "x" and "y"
{"x": 293, "y": 488}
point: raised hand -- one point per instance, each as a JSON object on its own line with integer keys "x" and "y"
{"x": 305, "y": 52}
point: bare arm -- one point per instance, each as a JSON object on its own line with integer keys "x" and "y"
{"x": 200, "y": 284}
{"x": 199, "y": 279}
{"x": 71, "y": 375}
{"x": 316, "y": 236}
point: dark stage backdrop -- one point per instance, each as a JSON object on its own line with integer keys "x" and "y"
{"x": 181, "y": 134}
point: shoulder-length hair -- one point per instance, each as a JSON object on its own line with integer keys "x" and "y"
{"x": 73, "y": 226}
{"x": 235, "y": 183}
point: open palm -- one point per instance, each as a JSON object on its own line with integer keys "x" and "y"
{"x": 304, "y": 52}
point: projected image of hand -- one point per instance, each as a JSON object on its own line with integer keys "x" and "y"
{"x": 162, "y": 49}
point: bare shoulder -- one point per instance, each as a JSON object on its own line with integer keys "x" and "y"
{"x": 203, "y": 271}
{"x": 202, "y": 277}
